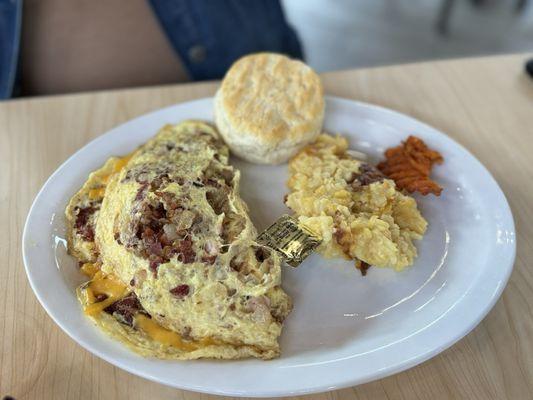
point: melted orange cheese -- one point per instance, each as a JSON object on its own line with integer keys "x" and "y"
{"x": 103, "y": 284}
{"x": 162, "y": 335}
{"x": 114, "y": 289}
{"x": 121, "y": 163}
{"x": 97, "y": 193}
{"x": 167, "y": 337}
{"x": 90, "y": 269}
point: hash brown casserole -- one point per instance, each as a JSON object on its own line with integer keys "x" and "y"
{"x": 358, "y": 212}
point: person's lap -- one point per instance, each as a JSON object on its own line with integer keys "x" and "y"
{"x": 71, "y": 46}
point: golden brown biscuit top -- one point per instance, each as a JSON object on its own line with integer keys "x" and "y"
{"x": 272, "y": 97}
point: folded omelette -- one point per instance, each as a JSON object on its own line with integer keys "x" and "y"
{"x": 170, "y": 248}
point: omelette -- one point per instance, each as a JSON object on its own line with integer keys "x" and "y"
{"x": 169, "y": 246}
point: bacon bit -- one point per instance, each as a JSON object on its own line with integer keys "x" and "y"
{"x": 100, "y": 297}
{"x": 165, "y": 241}
{"x": 117, "y": 238}
{"x": 409, "y": 165}
{"x": 146, "y": 234}
{"x": 362, "y": 266}
{"x": 209, "y": 259}
{"x": 154, "y": 263}
{"x": 180, "y": 291}
{"x": 172, "y": 203}
{"x": 236, "y": 265}
{"x": 82, "y": 225}
{"x": 125, "y": 309}
{"x": 141, "y": 192}
{"x": 159, "y": 211}
{"x": 186, "y": 253}
{"x": 369, "y": 174}
{"x": 155, "y": 248}
{"x": 210, "y": 182}
{"x": 261, "y": 254}
{"x": 366, "y": 175}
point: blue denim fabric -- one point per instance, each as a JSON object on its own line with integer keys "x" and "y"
{"x": 10, "y": 17}
{"x": 209, "y": 35}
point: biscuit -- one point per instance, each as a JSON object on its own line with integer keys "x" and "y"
{"x": 268, "y": 107}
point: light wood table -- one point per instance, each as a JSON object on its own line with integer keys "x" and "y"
{"x": 486, "y": 104}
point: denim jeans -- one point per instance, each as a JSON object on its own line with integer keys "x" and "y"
{"x": 10, "y": 18}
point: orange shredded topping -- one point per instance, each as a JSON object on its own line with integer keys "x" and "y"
{"x": 409, "y": 165}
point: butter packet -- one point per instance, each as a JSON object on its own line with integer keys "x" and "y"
{"x": 291, "y": 239}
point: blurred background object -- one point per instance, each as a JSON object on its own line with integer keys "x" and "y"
{"x": 79, "y": 45}
{"x": 362, "y": 33}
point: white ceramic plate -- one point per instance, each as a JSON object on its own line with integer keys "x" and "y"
{"x": 345, "y": 329}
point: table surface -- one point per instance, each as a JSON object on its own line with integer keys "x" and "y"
{"x": 486, "y": 104}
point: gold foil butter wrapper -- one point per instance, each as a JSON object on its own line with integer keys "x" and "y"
{"x": 291, "y": 239}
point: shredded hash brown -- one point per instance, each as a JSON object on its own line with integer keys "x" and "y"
{"x": 359, "y": 214}
{"x": 409, "y": 166}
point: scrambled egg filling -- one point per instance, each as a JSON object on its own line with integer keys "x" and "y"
{"x": 359, "y": 213}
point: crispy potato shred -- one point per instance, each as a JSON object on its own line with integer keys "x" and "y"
{"x": 409, "y": 166}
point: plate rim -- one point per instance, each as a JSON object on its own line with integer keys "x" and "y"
{"x": 274, "y": 392}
